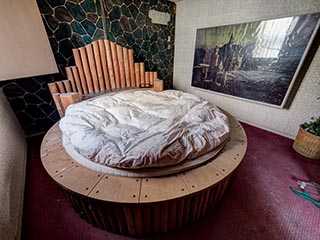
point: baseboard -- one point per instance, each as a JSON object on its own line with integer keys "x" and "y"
{"x": 267, "y": 129}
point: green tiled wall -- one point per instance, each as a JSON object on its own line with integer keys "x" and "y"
{"x": 74, "y": 23}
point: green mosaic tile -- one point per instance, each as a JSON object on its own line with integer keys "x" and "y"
{"x": 108, "y": 4}
{"x": 89, "y": 27}
{"x": 76, "y": 11}
{"x": 129, "y": 38}
{"x": 114, "y": 14}
{"x": 153, "y": 3}
{"x": 89, "y": 6}
{"x": 111, "y": 37}
{"x": 52, "y": 22}
{"x": 134, "y": 10}
{"x": 76, "y": 27}
{"x": 98, "y": 6}
{"x": 141, "y": 20}
{"x": 146, "y": 46}
{"x": 117, "y": 2}
{"x": 33, "y": 110}
{"x": 137, "y": 3}
{"x": 154, "y": 37}
{"x": 137, "y": 33}
{"x": 116, "y": 28}
{"x": 65, "y": 48}
{"x": 155, "y": 66}
{"x": 145, "y": 34}
{"x": 162, "y": 55}
{"x": 60, "y": 60}
{"x": 18, "y": 104}
{"x": 139, "y": 41}
{"x": 87, "y": 39}
{"x": 148, "y": 22}
{"x": 142, "y": 55}
{"x": 32, "y": 98}
{"x": 48, "y": 30}
{"x": 24, "y": 118}
{"x": 145, "y": 9}
{"x": 99, "y": 23}
{"x": 125, "y": 11}
{"x": 108, "y": 25}
{"x": 63, "y": 31}
{"x": 53, "y": 44}
{"x": 162, "y": 35}
{"x": 43, "y": 122}
{"x": 125, "y": 24}
{"x": 99, "y": 34}
{"x": 44, "y": 7}
{"x": 149, "y": 57}
{"x": 62, "y": 14}
{"x": 132, "y": 24}
{"x": 127, "y": 2}
{"x": 150, "y": 32}
{"x": 12, "y": 90}
{"x": 93, "y": 17}
{"x": 121, "y": 41}
{"x": 154, "y": 48}
{"x": 54, "y": 3}
{"x": 136, "y": 50}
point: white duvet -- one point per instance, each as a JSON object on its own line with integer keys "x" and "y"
{"x": 137, "y": 129}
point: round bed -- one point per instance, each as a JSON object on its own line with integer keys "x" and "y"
{"x": 153, "y": 199}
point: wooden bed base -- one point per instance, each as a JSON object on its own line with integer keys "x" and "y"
{"x": 143, "y": 206}
{"x": 101, "y": 66}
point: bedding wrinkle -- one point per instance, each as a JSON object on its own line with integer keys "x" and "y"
{"x": 140, "y": 129}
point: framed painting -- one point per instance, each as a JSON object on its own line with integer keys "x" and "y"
{"x": 256, "y": 61}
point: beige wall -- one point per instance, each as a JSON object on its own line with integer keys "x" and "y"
{"x": 206, "y": 13}
{"x": 12, "y": 171}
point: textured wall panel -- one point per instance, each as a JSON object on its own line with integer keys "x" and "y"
{"x": 12, "y": 171}
{"x": 205, "y": 13}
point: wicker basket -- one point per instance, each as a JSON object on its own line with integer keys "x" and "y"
{"x": 307, "y": 144}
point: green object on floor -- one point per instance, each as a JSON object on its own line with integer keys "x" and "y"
{"x": 305, "y": 195}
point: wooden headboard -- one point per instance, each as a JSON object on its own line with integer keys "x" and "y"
{"x": 100, "y": 67}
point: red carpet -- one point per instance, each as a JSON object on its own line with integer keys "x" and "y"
{"x": 257, "y": 205}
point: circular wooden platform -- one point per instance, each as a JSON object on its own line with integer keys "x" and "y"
{"x": 143, "y": 206}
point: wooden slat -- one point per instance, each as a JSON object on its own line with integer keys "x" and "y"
{"x": 142, "y": 75}
{"x": 70, "y": 77}
{"x": 153, "y": 77}
{"x": 121, "y": 66}
{"x": 61, "y": 87}
{"x": 126, "y": 67}
{"x": 103, "y": 59}
{"x": 92, "y": 67}
{"x": 86, "y": 67}
{"x": 131, "y": 67}
{"x": 69, "y": 98}
{"x": 147, "y": 79}
{"x": 97, "y": 60}
{"x": 137, "y": 74}
{"x": 110, "y": 64}
{"x": 67, "y": 85}
{"x": 115, "y": 64}
{"x": 53, "y": 88}
{"x": 57, "y": 102}
{"x": 77, "y": 80}
{"x": 158, "y": 86}
{"x": 77, "y": 59}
